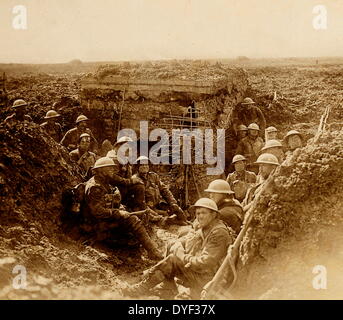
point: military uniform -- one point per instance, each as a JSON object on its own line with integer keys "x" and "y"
{"x": 250, "y": 148}
{"x": 13, "y": 117}
{"x": 102, "y": 212}
{"x": 156, "y": 190}
{"x": 247, "y": 116}
{"x": 231, "y": 212}
{"x": 71, "y": 139}
{"x": 240, "y": 182}
{"x": 53, "y": 129}
{"x": 204, "y": 252}
{"x": 85, "y": 160}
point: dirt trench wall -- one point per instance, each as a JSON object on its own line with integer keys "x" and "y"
{"x": 297, "y": 225}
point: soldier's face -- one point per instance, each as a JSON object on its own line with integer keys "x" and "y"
{"x": 216, "y": 197}
{"x": 82, "y": 126}
{"x": 240, "y": 166}
{"x": 266, "y": 169}
{"x": 143, "y": 169}
{"x": 272, "y": 135}
{"x": 204, "y": 216}
{"x": 85, "y": 143}
{"x": 110, "y": 172}
{"x": 253, "y": 133}
{"x": 294, "y": 142}
{"x": 242, "y": 134}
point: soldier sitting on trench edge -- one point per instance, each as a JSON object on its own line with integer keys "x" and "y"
{"x": 156, "y": 191}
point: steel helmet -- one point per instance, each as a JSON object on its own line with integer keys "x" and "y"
{"x": 219, "y": 186}
{"x": 248, "y": 101}
{"x": 81, "y": 118}
{"x": 123, "y": 140}
{"x": 142, "y": 158}
{"x": 206, "y": 203}
{"x": 242, "y": 127}
{"x": 51, "y": 114}
{"x": 267, "y": 158}
{"x": 111, "y": 154}
{"x": 272, "y": 144}
{"x": 19, "y": 103}
{"x": 84, "y": 135}
{"x": 253, "y": 126}
{"x": 238, "y": 157}
{"x": 104, "y": 162}
{"x": 293, "y": 133}
{"x": 271, "y": 129}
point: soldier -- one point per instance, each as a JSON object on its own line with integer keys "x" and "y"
{"x": 293, "y": 140}
{"x": 271, "y": 133}
{"x": 102, "y": 210}
{"x": 230, "y": 210}
{"x": 251, "y": 146}
{"x": 131, "y": 188}
{"x": 156, "y": 190}
{"x": 193, "y": 259}
{"x": 51, "y": 127}
{"x": 72, "y": 136}
{"x": 267, "y": 164}
{"x": 82, "y": 156}
{"x": 274, "y": 147}
{"x": 242, "y": 132}
{"x": 241, "y": 179}
{"x": 19, "y": 107}
{"x": 248, "y": 113}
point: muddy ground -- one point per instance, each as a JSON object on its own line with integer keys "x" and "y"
{"x": 307, "y": 199}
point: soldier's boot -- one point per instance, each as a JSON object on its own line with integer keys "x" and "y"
{"x": 143, "y": 287}
{"x": 148, "y": 244}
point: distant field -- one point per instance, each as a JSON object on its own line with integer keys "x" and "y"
{"x": 85, "y": 67}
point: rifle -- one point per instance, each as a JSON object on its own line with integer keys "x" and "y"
{"x": 322, "y": 123}
{"x": 213, "y": 289}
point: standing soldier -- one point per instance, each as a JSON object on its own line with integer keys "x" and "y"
{"x": 72, "y": 136}
{"x": 51, "y": 127}
{"x": 82, "y": 156}
{"x": 251, "y": 146}
{"x": 230, "y": 210}
{"x": 274, "y": 147}
{"x": 102, "y": 210}
{"x": 248, "y": 113}
{"x": 193, "y": 259}
{"x": 241, "y": 179}
{"x": 271, "y": 133}
{"x": 156, "y": 190}
{"x": 242, "y": 132}
{"x": 19, "y": 107}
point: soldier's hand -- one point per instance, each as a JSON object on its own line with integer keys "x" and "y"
{"x": 124, "y": 214}
{"x": 136, "y": 180}
{"x": 180, "y": 252}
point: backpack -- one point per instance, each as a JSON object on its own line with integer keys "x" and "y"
{"x": 73, "y": 200}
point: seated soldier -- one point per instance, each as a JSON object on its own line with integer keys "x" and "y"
{"x": 193, "y": 259}
{"x": 51, "y": 126}
{"x": 101, "y": 210}
{"x": 156, "y": 190}
{"x": 230, "y": 210}
{"x": 241, "y": 179}
{"x": 274, "y": 147}
{"x": 251, "y": 146}
{"x": 267, "y": 164}
{"x": 71, "y": 138}
{"x": 82, "y": 156}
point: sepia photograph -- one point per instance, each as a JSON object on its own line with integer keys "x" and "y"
{"x": 185, "y": 150}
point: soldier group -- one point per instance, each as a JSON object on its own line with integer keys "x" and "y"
{"x": 131, "y": 197}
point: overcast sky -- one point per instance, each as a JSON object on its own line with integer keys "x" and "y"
{"x": 62, "y": 30}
